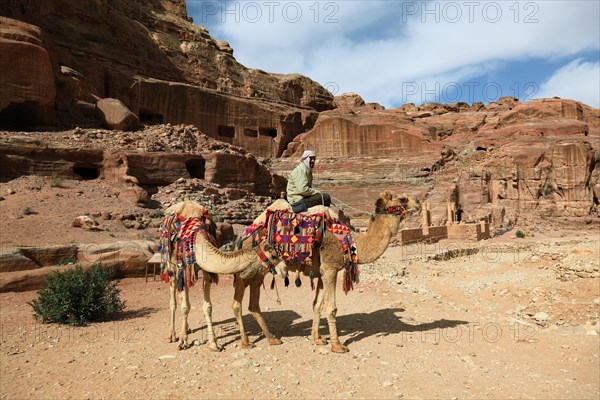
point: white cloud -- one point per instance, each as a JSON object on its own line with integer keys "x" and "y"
{"x": 377, "y": 46}
{"x": 577, "y": 80}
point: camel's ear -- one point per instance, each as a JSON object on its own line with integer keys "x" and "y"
{"x": 386, "y": 195}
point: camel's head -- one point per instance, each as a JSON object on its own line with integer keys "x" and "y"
{"x": 411, "y": 204}
{"x": 390, "y": 202}
{"x": 270, "y": 260}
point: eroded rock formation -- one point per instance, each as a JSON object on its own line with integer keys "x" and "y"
{"x": 150, "y": 56}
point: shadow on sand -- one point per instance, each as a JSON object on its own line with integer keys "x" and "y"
{"x": 353, "y": 327}
{"x": 132, "y": 314}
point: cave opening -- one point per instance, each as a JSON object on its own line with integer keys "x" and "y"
{"x": 86, "y": 173}
{"x": 196, "y": 167}
{"x": 272, "y": 132}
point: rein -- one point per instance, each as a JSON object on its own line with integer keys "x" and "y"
{"x": 398, "y": 210}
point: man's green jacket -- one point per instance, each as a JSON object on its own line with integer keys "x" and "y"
{"x": 300, "y": 183}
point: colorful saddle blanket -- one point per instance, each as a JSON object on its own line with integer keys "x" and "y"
{"x": 294, "y": 235}
{"x": 179, "y": 234}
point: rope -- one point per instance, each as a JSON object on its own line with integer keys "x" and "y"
{"x": 273, "y": 284}
{"x": 338, "y": 201}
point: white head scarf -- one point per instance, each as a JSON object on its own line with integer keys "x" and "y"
{"x": 307, "y": 155}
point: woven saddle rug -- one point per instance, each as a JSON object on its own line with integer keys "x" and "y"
{"x": 294, "y": 235}
{"x": 178, "y": 234}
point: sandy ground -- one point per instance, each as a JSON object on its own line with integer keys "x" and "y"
{"x": 416, "y": 328}
{"x": 463, "y": 327}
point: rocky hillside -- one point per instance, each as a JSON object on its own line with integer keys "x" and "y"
{"x": 151, "y": 57}
{"x": 500, "y": 161}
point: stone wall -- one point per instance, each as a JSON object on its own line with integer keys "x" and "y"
{"x": 462, "y": 232}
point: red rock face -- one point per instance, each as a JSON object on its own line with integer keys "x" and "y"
{"x": 342, "y": 133}
{"x": 150, "y": 56}
{"x": 264, "y": 128}
{"x": 507, "y": 158}
{"x": 27, "y": 88}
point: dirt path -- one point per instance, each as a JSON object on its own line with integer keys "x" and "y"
{"x": 416, "y": 328}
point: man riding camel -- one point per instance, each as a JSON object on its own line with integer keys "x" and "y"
{"x": 299, "y": 187}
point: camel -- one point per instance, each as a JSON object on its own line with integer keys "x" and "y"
{"x": 211, "y": 261}
{"x": 328, "y": 259}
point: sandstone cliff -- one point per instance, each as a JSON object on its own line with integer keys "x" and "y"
{"x": 504, "y": 161}
{"x": 156, "y": 61}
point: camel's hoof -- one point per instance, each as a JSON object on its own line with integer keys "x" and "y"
{"x": 216, "y": 347}
{"x": 182, "y": 346}
{"x": 319, "y": 342}
{"x": 247, "y": 345}
{"x": 274, "y": 341}
{"x": 173, "y": 339}
{"x": 338, "y": 348}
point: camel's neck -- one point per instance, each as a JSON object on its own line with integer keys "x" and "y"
{"x": 371, "y": 244}
{"x": 211, "y": 259}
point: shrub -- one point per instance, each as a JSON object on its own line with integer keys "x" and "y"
{"x": 78, "y": 297}
{"x": 520, "y": 234}
{"x": 57, "y": 181}
{"x": 157, "y": 214}
{"x": 67, "y": 261}
{"x": 29, "y": 211}
{"x": 548, "y": 191}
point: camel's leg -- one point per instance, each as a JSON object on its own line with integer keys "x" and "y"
{"x": 207, "y": 310}
{"x": 185, "y": 310}
{"x": 317, "y": 307}
{"x": 254, "y": 308}
{"x": 173, "y": 306}
{"x": 329, "y": 282}
{"x": 238, "y": 296}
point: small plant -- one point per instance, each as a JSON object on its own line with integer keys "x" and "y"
{"x": 520, "y": 234}
{"x": 29, "y": 211}
{"x": 67, "y": 261}
{"x": 157, "y": 214}
{"x": 548, "y": 191}
{"x": 57, "y": 181}
{"x": 78, "y": 297}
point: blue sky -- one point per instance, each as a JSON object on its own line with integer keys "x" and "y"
{"x": 392, "y": 52}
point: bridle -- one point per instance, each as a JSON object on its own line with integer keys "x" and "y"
{"x": 398, "y": 211}
{"x": 267, "y": 263}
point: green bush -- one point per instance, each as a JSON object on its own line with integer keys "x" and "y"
{"x": 57, "y": 181}
{"x": 157, "y": 214}
{"x": 520, "y": 234}
{"x": 67, "y": 261}
{"x": 78, "y": 297}
{"x": 29, "y": 211}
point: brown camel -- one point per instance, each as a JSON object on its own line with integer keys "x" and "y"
{"x": 210, "y": 260}
{"x": 328, "y": 260}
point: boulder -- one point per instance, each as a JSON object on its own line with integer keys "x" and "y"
{"x": 348, "y": 100}
{"x": 116, "y": 115}
{"x": 85, "y": 222}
